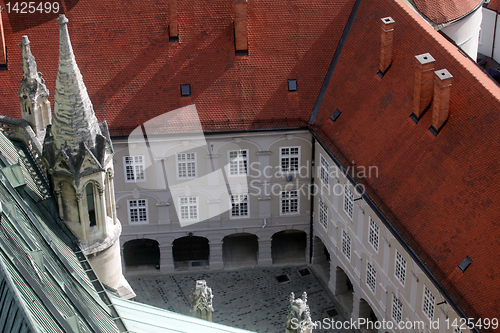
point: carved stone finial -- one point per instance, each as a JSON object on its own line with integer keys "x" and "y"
{"x": 299, "y": 316}
{"x": 201, "y": 301}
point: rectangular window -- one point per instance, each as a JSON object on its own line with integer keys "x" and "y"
{"x": 323, "y": 213}
{"x": 238, "y": 162}
{"x": 189, "y": 208}
{"x": 289, "y": 202}
{"x": 348, "y": 201}
{"x": 289, "y": 159}
{"x": 138, "y": 211}
{"x": 400, "y": 271}
{"x": 346, "y": 245}
{"x": 373, "y": 234}
{"x": 397, "y": 309}
{"x": 134, "y": 168}
{"x": 324, "y": 173}
{"x": 186, "y": 165}
{"x": 429, "y": 303}
{"x": 239, "y": 205}
{"x": 371, "y": 277}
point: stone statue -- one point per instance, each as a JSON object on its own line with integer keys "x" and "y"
{"x": 201, "y": 301}
{"x": 299, "y": 316}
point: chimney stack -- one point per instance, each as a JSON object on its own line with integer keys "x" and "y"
{"x": 441, "y": 101}
{"x": 172, "y": 17}
{"x": 3, "y": 52}
{"x": 386, "y": 44}
{"x": 424, "y": 89}
{"x": 240, "y": 27}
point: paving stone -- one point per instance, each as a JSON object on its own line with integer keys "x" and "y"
{"x": 250, "y": 299}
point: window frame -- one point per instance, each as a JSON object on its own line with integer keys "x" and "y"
{"x": 323, "y": 213}
{"x": 177, "y": 163}
{"x": 431, "y": 300}
{"x": 376, "y": 232}
{"x": 282, "y": 157}
{"x": 129, "y": 210}
{"x": 134, "y": 165}
{"x": 324, "y": 174}
{"x": 237, "y": 159}
{"x": 189, "y": 204}
{"x": 350, "y": 203}
{"x": 289, "y": 198}
{"x": 231, "y": 216}
{"x": 397, "y": 263}
{"x": 371, "y": 277}
{"x": 399, "y": 309}
{"x": 346, "y": 245}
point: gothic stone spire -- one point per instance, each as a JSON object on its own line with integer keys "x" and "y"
{"x": 33, "y": 93}
{"x": 74, "y": 120}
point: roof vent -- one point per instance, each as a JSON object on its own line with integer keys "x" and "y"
{"x": 465, "y": 264}
{"x": 185, "y": 90}
{"x": 240, "y": 27}
{"x": 335, "y": 115}
{"x": 441, "y": 101}
{"x": 292, "y": 85}
{"x": 3, "y": 51}
{"x": 424, "y": 89}
{"x": 386, "y": 45}
{"x": 173, "y": 28}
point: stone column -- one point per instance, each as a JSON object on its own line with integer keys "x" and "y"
{"x": 83, "y": 220}
{"x": 216, "y": 259}
{"x": 59, "y": 202}
{"x": 265, "y": 255}
{"x": 318, "y": 251}
{"x": 102, "y": 210}
{"x": 166, "y": 258}
{"x": 112, "y": 202}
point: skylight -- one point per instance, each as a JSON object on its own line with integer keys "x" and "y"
{"x": 185, "y": 90}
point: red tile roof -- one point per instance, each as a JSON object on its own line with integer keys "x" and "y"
{"x": 494, "y": 5}
{"x": 441, "y": 192}
{"x": 133, "y": 73}
{"x": 442, "y": 11}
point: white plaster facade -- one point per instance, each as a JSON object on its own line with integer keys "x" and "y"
{"x": 264, "y": 179}
{"x": 382, "y": 260}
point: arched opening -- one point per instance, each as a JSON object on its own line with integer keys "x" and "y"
{"x": 365, "y": 311}
{"x": 191, "y": 252}
{"x": 89, "y": 193}
{"x": 343, "y": 289}
{"x": 321, "y": 257}
{"x": 240, "y": 250}
{"x": 289, "y": 247}
{"x": 141, "y": 254}
{"x": 69, "y": 203}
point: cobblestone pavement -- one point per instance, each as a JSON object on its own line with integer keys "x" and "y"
{"x": 251, "y": 299}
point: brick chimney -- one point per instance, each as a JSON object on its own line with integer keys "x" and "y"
{"x": 386, "y": 44}
{"x": 441, "y": 101}
{"x": 424, "y": 88}
{"x": 3, "y": 51}
{"x": 240, "y": 27}
{"x": 172, "y": 17}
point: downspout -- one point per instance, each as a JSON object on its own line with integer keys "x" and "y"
{"x": 494, "y": 35}
{"x": 311, "y": 198}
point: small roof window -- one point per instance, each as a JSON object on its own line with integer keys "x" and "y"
{"x": 292, "y": 85}
{"x": 185, "y": 90}
{"x": 335, "y": 115}
{"x": 465, "y": 264}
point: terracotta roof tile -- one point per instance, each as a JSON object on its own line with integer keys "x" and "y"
{"x": 442, "y": 191}
{"x": 442, "y": 11}
{"x": 133, "y": 73}
{"x": 494, "y": 5}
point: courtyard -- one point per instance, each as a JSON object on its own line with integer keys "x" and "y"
{"x": 252, "y": 299}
